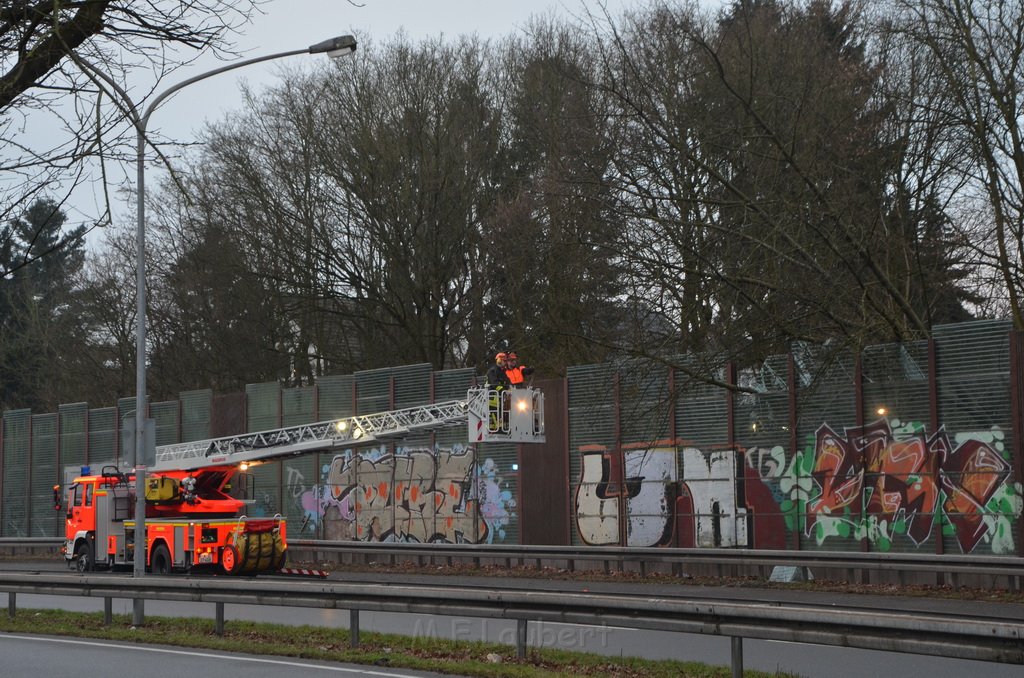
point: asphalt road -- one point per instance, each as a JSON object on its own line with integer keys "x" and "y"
{"x": 49, "y": 657}
{"x": 811, "y": 661}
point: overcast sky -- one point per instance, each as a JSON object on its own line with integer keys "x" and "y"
{"x": 293, "y": 24}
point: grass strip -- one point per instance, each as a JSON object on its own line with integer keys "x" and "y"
{"x": 465, "y": 658}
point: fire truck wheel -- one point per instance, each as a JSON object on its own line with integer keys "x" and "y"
{"x": 229, "y": 559}
{"x": 83, "y": 557}
{"x": 160, "y": 562}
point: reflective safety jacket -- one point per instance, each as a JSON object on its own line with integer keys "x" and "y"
{"x": 515, "y": 374}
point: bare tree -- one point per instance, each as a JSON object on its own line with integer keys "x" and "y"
{"x": 216, "y": 322}
{"x": 57, "y": 129}
{"x": 756, "y": 180}
{"x": 103, "y": 368}
{"x": 352, "y": 201}
{"x": 416, "y": 165}
{"x": 553, "y": 279}
{"x": 977, "y": 48}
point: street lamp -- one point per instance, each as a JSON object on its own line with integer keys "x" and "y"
{"x": 334, "y": 47}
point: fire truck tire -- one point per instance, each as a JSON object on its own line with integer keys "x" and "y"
{"x": 229, "y": 559}
{"x": 160, "y": 561}
{"x": 83, "y": 557}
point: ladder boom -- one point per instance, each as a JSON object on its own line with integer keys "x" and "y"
{"x": 357, "y": 429}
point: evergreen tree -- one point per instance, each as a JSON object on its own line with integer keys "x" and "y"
{"x": 38, "y": 317}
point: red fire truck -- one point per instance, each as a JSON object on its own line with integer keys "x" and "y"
{"x": 195, "y": 519}
{"x": 191, "y": 520}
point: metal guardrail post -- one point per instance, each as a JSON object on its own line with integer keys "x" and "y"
{"x": 353, "y": 628}
{"x": 737, "y": 657}
{"x": 108, "y": 611}
{"x": 218, "y": 624}
{"x": 12, "y": 604}
{"x": 521, "y": 638}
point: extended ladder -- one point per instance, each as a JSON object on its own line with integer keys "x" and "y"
{"x": 325, "y": 435}
{"x": 517, "y": 415}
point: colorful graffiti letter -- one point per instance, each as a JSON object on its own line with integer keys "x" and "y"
{"x": 709, "y": 501}
{"x": 415, "y": 496}
{"x": 644, "y": 487}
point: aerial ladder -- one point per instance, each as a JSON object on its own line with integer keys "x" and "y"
{"x": 511, "y": 415}
{"x": 193, "y": 518}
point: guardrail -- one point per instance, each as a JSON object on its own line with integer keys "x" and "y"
{"x": 30, "y": 545}
{"x": 948, "y": 569}
{"x": 943, "y": 634}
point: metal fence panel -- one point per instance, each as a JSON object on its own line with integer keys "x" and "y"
{"x": 17, "y": 447}
{"x": 762, "y": 434}
{"x": 650, "y": 466}
{"x": 334, "y": 395}
{"x": 263, "y": 406}
{"x": 826, "y": 408}
{"x": 496, "y": 491}
{"x": 645, "y": 405}
{"x": 298, "y": 405}
{"x": 412, "y": 385}
{"x": 263, "y": 411}
{"x": 701, "y": 407}
{"x": 489, "y": 491}
{"x": 896, "y": 383}
{"x": 704, "y": 509}
{"x": 980, "y": 503}
{"x": 165, "y": 416}
{"x": 74, "y": 436}
{"x": 333, "y": 514}
{"x": 103, "y": 440}
{"x": 373, "y": 390}
{"x": 595, "y": 471}
{"x": 44, "y": 521}
{"x": 299, "y": 496}
{"x": 899, "y": 498}
{"x": 196, "y": 408}
{"x": 373, "y": 468}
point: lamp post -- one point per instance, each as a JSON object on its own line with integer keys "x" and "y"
{"x": 334, "y": 47}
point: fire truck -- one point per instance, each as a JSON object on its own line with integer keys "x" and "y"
{"x": 197, "y": 492}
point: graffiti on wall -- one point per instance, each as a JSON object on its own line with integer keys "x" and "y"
{"x": 641, "y": 488}
{"x": 888, "y": 481}
{"x": 411, "y": 495}
{"x": 882, "y": 482}
{"x": 640, "y": 480}
{"x": 713, "y": 511}
{"x": 497, "y": 506}
{"x": 597, "y": 498}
